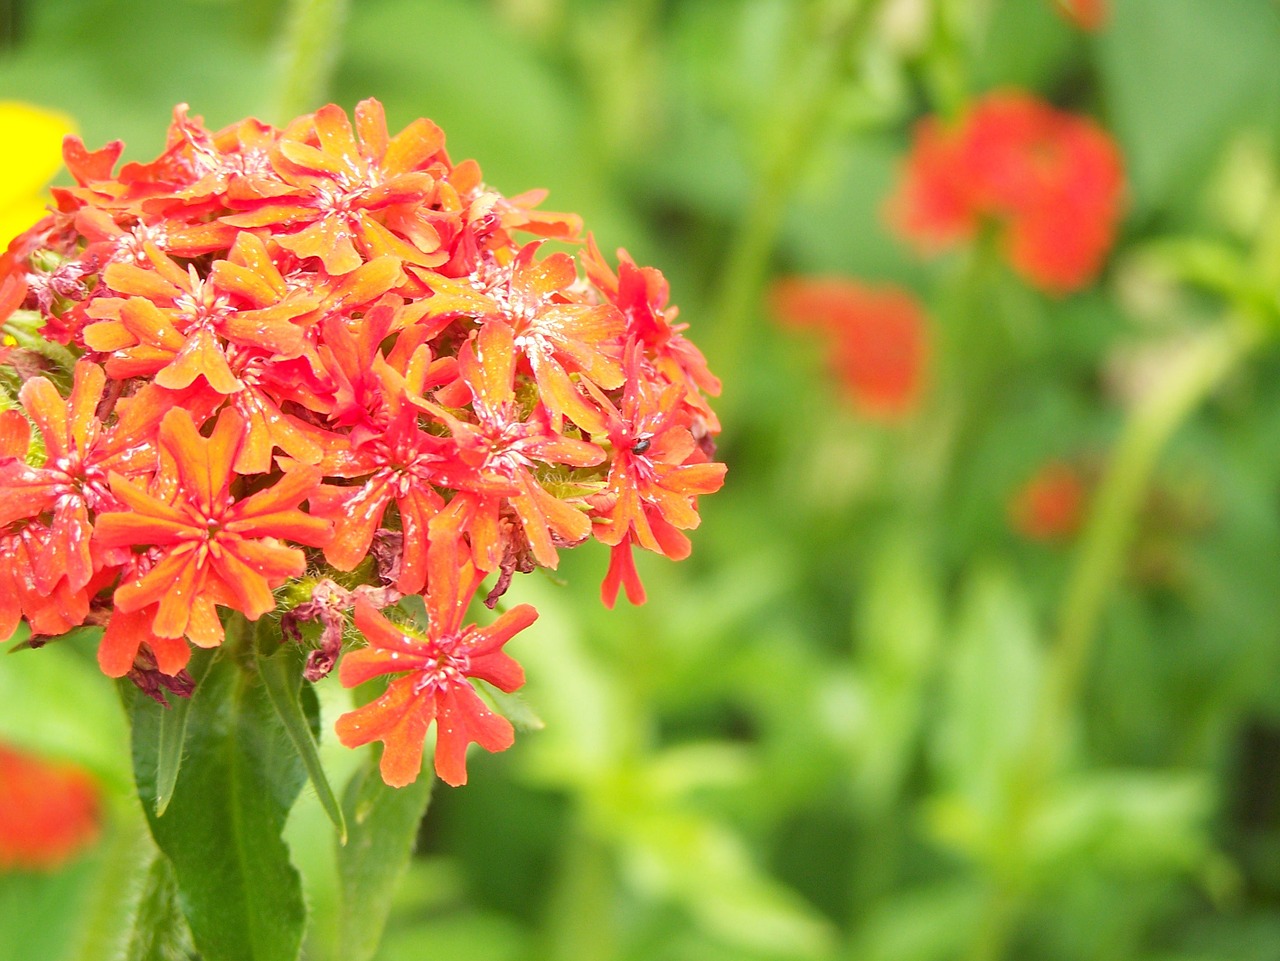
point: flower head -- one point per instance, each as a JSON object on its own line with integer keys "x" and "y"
{"x": 1049, "y": 181}
{"x": 49, "y": 811}
{"x": 877, "y": 338}
{"x": 329, "y": 350}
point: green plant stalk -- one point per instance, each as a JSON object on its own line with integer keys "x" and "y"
{"x": 734, "y": 307}
{"x": 309, "y": 49}
{"x": 1097, "y": 567}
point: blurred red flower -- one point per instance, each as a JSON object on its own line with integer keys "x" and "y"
{"x": 49, "y": 811}
{"x": 878, "y": 338}
{"x": 1085, "y": 14}
{"x": 1049, "y": 506}
{"x": 1050, "y": 181}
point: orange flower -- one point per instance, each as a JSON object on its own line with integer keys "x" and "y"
{"x": 1050, "y": 181}
{"x": 432, "y": 677}
{"x": 1050, "y": 506}
{"x": 1088, "y": 15}
{"x": 213, "y": 547}
{"x": 877, "y": 334}
{"x": 49, "y": 812}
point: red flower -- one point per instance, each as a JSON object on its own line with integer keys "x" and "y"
{"x": 340, "y": 196}
{"x": 1051, "y": 182}
{"x": 878, "y": 338}
{"x": 49, "y": 811}
{"x": 554, "y": 330}
{"x": 1050, "y": 506}
{"x": 504, "y": 445}
{"x": 432, "y": 684}
{"x": 656, "y": 474}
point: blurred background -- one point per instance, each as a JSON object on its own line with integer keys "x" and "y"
{"x": 976, "y": 655}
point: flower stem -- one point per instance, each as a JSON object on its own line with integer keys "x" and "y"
{"x": 1098, "y": 565}
{"x": 799, "y": 123}
{"x": 309, "y": 49}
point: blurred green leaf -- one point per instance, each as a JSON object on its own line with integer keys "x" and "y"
{"x": 1179, "y": 75}
{"x": 1131, "y": 822}
{"x": 159, "y": 931}
{"x": 898, "y": 627}
{"x": 222, "y": 830}
{"x": 37, "y": 690}
{"x": 992, "y": 683}
{"x": 383, "y": 827}
{"x": 927, "y": 923}
{"x": 709, "y": 871}
{"x": 39, "y": 913}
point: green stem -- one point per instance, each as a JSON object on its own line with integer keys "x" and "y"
{"x": 799, "y": 123}
{"x": 309, "y": 51}
{"x": 1098, "y": 566}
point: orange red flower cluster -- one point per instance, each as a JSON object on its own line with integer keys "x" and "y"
{"x": 49, "y": 811}
{"x": 1050, "y": 182}
{"x": 320, "y": 350}
{"x": 877, "y": 335}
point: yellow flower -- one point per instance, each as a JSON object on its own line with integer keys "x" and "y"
{"x": 32, "y": 155}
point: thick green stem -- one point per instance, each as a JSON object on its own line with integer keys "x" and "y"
{"x": 309, "y": 49}
{"x": 1182, "y": 386}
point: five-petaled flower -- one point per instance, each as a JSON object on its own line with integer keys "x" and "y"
{"x": 214, "y": 547}
{"x": 432, "y": 669}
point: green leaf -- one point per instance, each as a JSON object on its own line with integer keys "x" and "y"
{"x": 992, "y": 684}
{"x": 221, "y": 830}
{"x": 159, "y": 734}
{"x": 159, "y": 930}
{"x": 511, "y": 706}
{"x": 383, "y": 823}
{"x": 282, "y": 679}
{"x": 1179, "y": 75}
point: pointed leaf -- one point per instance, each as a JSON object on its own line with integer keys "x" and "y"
{"x": 158, "y": 735}
{"x": 221, "y": 830}
{"x": 282, "y": 679}
{"x": 383, "y": 823}
{"x": 159, "y": 931}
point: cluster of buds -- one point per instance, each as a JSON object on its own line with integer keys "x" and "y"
{"x": 313, "y": 370}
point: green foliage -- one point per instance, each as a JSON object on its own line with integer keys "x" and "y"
{"x": 384, "y": 826}
{"x": 867, "y": 719}
{"x": 221, "y": 829}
